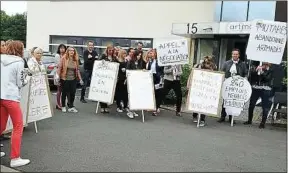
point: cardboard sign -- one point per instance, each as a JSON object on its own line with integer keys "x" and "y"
{"x": 267, "y": 41}
{"x": 141, "y": 94}
{"x": 204, "y": 92}
{"x": 172, "y": 52}
{"x": 103, "y": 81}
{"x": 236, "y": 91}
{"x": 39, "y": 100}
{"x": 24, "y": 104}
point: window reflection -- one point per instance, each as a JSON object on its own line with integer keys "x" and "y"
{"x": 262, "y": 10}
{"x": 234, "y": 11}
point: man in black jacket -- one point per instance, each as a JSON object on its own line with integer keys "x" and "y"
{"x": 233, "y": 67}
{"x": 89, "y": 55}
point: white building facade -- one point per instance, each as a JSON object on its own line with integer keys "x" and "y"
{"x": 123, "y": 23}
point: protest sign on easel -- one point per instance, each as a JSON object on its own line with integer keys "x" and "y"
{"x": 236, "y": 91}
{"x": 103, "y": 82}
{"x": 141, "y": 94}
{"x": 204, "y": 92}
{"x": 24, "y": 104}
{"x": 173, "y": 52}
{"x": 39, "y": 99}
{"x": 267, "y": 41}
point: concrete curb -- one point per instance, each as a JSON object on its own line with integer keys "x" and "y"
{"x": 6, "y": 169}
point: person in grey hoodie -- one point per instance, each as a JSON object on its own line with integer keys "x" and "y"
{"x": 172, "y": 75}
{"x": 13, "y": 78}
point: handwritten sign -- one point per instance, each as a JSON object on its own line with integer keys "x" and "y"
{"x": 267, "y": 41}
{"x": 39, "y": 99}
{"x": 103, "y": 81}
{"x": 172, "y": 52}
{"x": 24, "y": 104}
{"x": 236, "y": 91}
{"x": 140, "y": 90}
{"x": 204, "y": 92}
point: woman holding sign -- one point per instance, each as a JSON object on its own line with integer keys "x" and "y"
{"x": 107, "y": 56}
{"x": 261, "y": 80}
{"x": 13, "y": 78}
{"x": 69, "y": 73}
{"x": 35, "y": 64}
{"x": 157, "y": 72}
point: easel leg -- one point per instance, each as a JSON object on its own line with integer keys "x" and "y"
{"x": 35, "y": 126}
{"x": 97, "y": 107}
{"x": 143, "y": 119}
{"x": 198, "y": 121}
{"x": 232, "y": 120}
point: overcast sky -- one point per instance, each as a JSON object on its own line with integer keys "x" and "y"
{"x": 13, "y": 7}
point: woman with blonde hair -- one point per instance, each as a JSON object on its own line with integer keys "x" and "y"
{"x": 69, "y": 73}
{"x": 13, "y": 78}
{"x": 121, "y": 87}
{"x": 35, "y": 64}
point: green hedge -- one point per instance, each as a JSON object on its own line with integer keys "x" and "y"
{"x": 171, "y": 97}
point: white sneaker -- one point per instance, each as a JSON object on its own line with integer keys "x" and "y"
{"x": 135, "y": 114}
{"x": 195, "y": 120}
{"x": 119, "y": 110}
{"x": 202, "y": 123}
{"x": 158, "y": 110}
{"x": 130, "y": 115}
{"x": 1, "y": 145}
{"x": 19, "y": 162}
{"x": 2, "y": 154}
{"x": 63, "y": 109}
{"x": 74, "y": 110}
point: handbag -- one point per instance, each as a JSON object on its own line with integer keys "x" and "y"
{"x": 56, "y": 79}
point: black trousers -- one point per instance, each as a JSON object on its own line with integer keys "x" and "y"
{"x": 202, "y": 116}
{"x": 264, "y": 95}
{"x": 69, "y": 91}
{"x": 224, "y": 114}
{"x": 176, "y": 86}
{"x": 121, "y": 94}
{"x": 158, "y": 97}
{"x": 86, "y": 79}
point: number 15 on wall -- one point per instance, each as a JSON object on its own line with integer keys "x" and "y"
{"x": 192, "y": 28}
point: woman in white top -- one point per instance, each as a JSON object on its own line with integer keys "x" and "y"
{"x": 35, "y": 64}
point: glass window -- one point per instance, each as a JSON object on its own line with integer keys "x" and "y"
{"x": 234, "y": 11}
{"x": 207, "y": 47}
{"x": 217, "y": 12}
{"x": 262, "y": 10}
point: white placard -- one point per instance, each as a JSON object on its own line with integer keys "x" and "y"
{"x": 267, "y": 41}
{"x": 236, "y": 91}
{"x": 24, "y": 104}
{"x": 140, "y": 90}
{"x": 204, "y": 91}
{"x": 39, "y": 99}
{"x": 103, "y": 81}
{"x": 172, "y": 52}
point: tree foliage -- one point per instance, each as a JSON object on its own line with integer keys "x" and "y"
{"x": 13, "y": 27}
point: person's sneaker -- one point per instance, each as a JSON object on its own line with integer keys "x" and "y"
{"x": 102, "y": 110}
{"x": 19, "y": 162}
{"x": 73, "y": 109}
{"x": 135, "y": 114}
{"x": 195, "y": 120}
{"x": 106, "y": 110}
{"x": 178, "y": 114}
{"x": 83, "y": 101}
{"x": 202, "y": 123}
{"x": 63, "y": 109}
{"x": 1, "y": 145}
{"x": 247, "y": 123}
{"x": 154, "y": 114}
{"x": 130, "y": 115}
{"x": 158, "y": 110}
{"x": 221, "y": 120}
{"x": 261, "y": 126}
{"x": 2, "y": 154}
{"x": 119, "y": 110}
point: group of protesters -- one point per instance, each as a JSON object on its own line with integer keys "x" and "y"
{"x": 15, "y": 73}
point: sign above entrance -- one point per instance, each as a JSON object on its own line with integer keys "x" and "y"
{"x": 211, "y": 28}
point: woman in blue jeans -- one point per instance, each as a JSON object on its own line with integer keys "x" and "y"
{"x": 261, "y": 80}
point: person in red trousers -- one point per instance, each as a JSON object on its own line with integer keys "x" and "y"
{"x": 13, "y": 78}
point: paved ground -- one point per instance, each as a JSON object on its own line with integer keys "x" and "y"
{"x": 89, "y": 142}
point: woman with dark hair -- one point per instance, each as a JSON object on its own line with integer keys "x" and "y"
{"x": 208, "y": 64}
{"x": 13, "y": 78}
{"x": 139, "y": 61}
{"x": 261, "y": 79}
{"x": 108, "y": 55}
{"x": 60, "y": 53}
{"x": 157, "y": 72}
